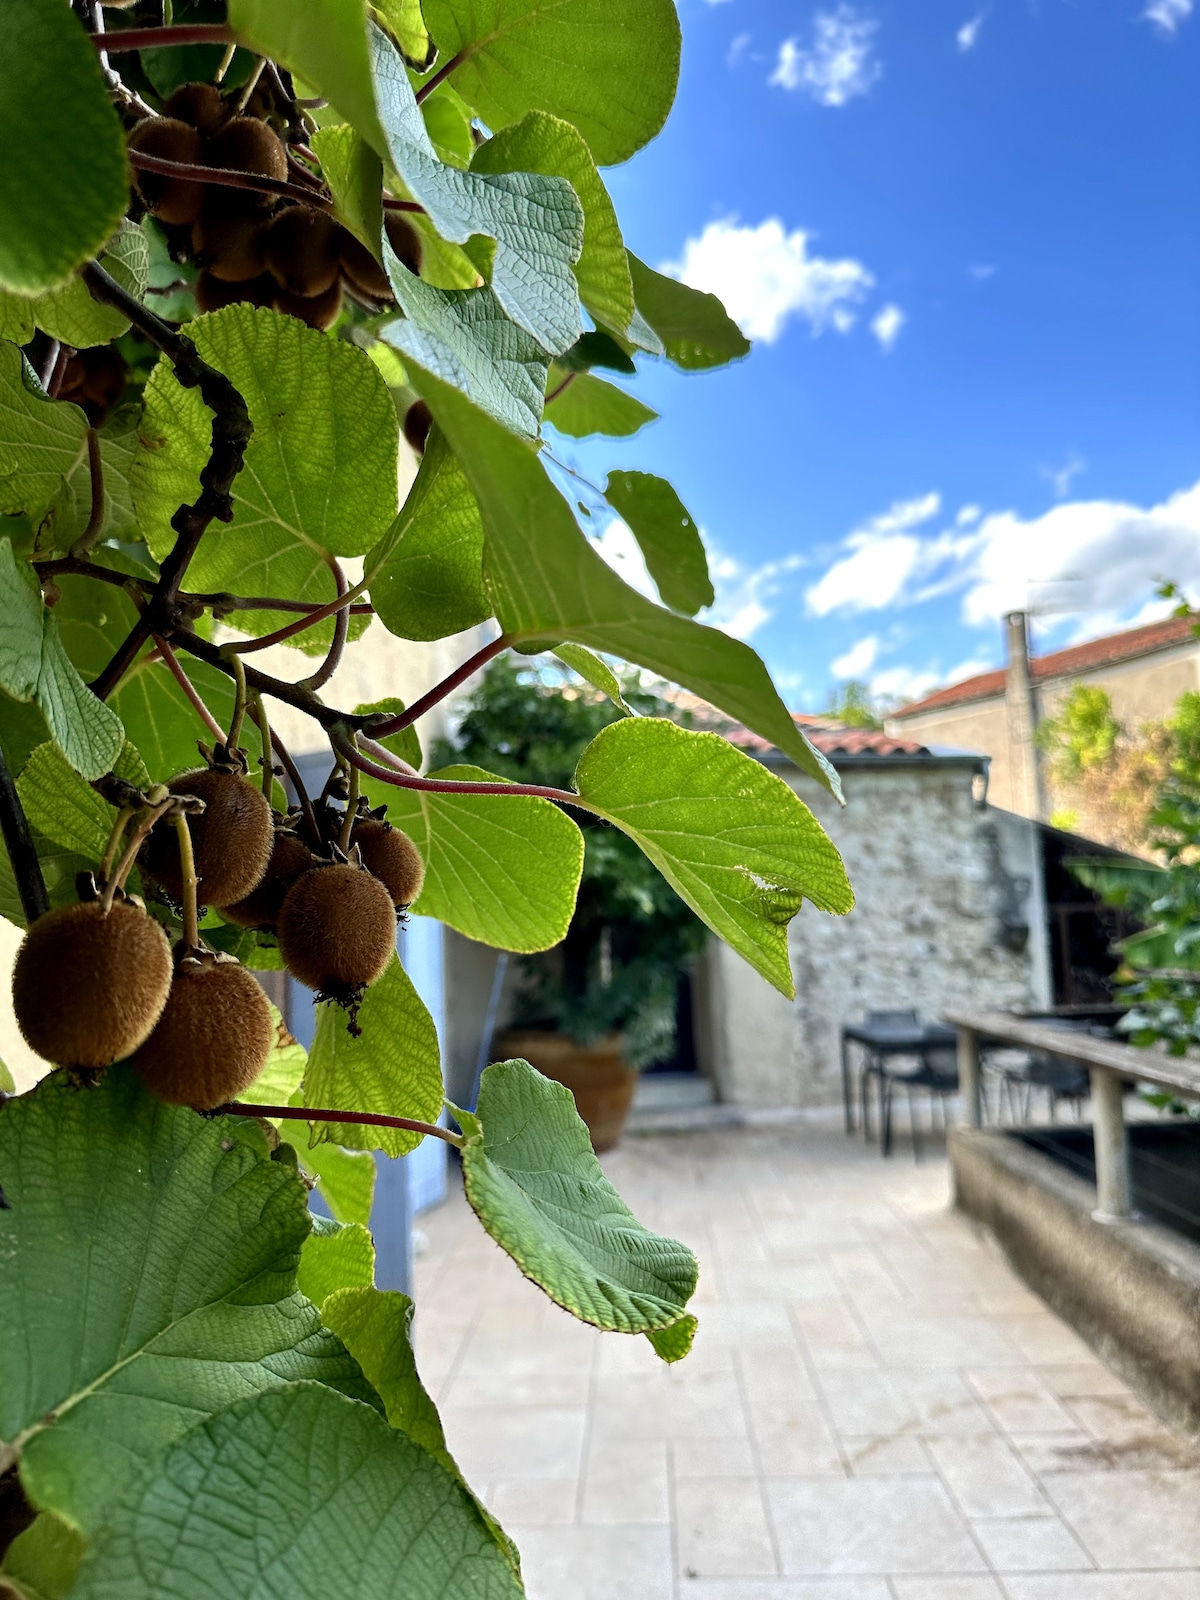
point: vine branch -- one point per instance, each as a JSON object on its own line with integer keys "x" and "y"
{"x": 441, "y": 75}
{"x": 364, "y": 1119}
{"x": 401, "y": 780}
{"x": 151, "y": 38}
{"x": 230, "y": 177}
{"x": 27, "y": 869}
{"x": 405, "y": 719}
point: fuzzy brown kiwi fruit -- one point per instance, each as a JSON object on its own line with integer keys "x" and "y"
{"x": 94, "y": 379}
{"x": 199, "y": 104}
{"x": 290, "y": 857}
{"x": 213, "y": 294}
{"x": 390, "y": 855}
{"x": 89, "y": 987}
{"x": 231, "y": 248}
{"x": 360, "y": 268}
{"x": 213, "y": 1038}
{"x": 302, "y": 250}
{"x": 231, "y": 838}
{"x": 404, "y": 240}
{"x": 418, "y": 420}
{"x": 320, "y": 311}
{"x": 337, "y": 930}
{"x": 245, "y": 144}
{"x": 170, "y": 199}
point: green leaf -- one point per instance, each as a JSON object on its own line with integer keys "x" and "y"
{"x": 69, "y": 512}
{"x": 533, "y": 1179}
{"x": 407, "y": 743}
{"x": 355, "y": 178}
{"x": 589, "y": 405}
{"x": 393, "y": 1067}
{"x": 150, "y": 1284}
{"x": 335, "y": 1256}
{"x": 500, "y": 869}
{"x": 541, "y": 143}
{"x": 300, "y": 1492}
{"x": 535, "y": 220}
{"x": 594, "y": 671}
{"x": 62, "y": 807}
{"x": 448, "y": 124}
{"x": 675, "y": 1342}
{"x": 608, "y": 66}
{"x": 403, "y": 20}
{"x": 21, "y": 637}
{"x": 345, "y": 1180}
{"x": 428, "y": 568}
{"x": 16, "y": 318}
{"x": 548, "y": 582}
{"x": 63, "y": 185}
{"x": 41, "y": 1563}
{"x": 281, "y": 1077}
{"x": 69, "y": 313}
{"x": 325, "y": 42}
{"x": 695, "y": 329}
{"x": 7, "y": 1083}
{"x": 375, "y": 1325}
{"x": 734, "y": 841}
{"x": 159, "y": 719}
{"x": 42, "y": 441}
{"x": 667, "y": 537}
{"x": 320, "y": 472}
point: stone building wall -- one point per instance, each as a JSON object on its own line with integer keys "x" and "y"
{"x": 949, "y": 913}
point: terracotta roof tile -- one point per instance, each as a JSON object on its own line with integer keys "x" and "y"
{"x": 1115, "y": 647}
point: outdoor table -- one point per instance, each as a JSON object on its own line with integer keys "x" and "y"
{"x": 881, "y": 1040}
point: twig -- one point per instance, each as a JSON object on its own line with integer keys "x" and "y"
{"x": 125, "y": 865}
{"x": 221, "y": 603}
{"x": 95, "y": 521}
{"x": 402, "y": 205}
{"x": 187, "y": 872}
{"x": 246, "y": 647}
{"x": 172, "y": 662}
{"x": 225, "y": 63}
{"x": 293, "y": 772}
{"x": 452, "y": 785}
{"x": 69, "y": 567}
{"x": 352, "y": 793}
{"x": 248, "y": 88}
{"x": 406, "y": 718}
{"x": 228, "y": 177}
{"x": 259, "y": 712}
{"x": 364, "y": 1119}
{"x": 152, "y": 38}
{"x": 442, "y": 74}
{"x": 341, "y": 630}
{"x": 231, "y": 431}
{"x": 46, "y": 371}
{"x": 27, "y": 869}
{"x": 559, "y": 387}
{"x": 239, "y": 705}
{"x": 387, "y": 757}
{"x": 60, "y": 371}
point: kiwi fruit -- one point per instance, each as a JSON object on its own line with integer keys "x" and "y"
{"x": 232, "y": 838}
{"x": 302, "y": 250}
{"x": 404, "y": 240}
{"x": 170, "y": 199}
{"x": 214, "y": 294}
{"x": 337, "y": 930}
{"x": 94, "y": 379}
{"x": 89, "y": 985}
{"x": 199, "y": 104}
{"x": 290, "y": 857}
{"x": 231, "y": 248}
{"x": 320, "y": 311}
{"x": 360, "y": 268}
{"x": 212, "y": 1039}
{"x": 418, "y": 420}
{"x": 390, "y": 855}
{"x": 245, "y": 144}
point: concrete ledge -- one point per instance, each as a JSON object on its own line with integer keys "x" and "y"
{"x": 1131, "y": 1290}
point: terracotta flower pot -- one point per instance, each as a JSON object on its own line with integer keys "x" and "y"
{"x": 597, "y": 1075}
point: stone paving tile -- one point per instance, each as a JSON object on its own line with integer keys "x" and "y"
{"x": 875, "y": 1407}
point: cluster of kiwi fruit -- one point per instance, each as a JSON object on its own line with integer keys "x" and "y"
{"x": 252, "y": 246}
{"x": 97, "y": 982}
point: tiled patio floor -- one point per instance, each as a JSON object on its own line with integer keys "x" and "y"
{"x": 875, "y": 1408}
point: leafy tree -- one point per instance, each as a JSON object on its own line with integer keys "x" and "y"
{"x": 354, "y": 233}
{"x": 1082, "y": 734}
{"x": 630, "y": 937}
{"x": 854, "y": 706}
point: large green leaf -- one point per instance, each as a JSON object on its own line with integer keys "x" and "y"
{"x": 548, "y": 582}
{"x": 335, "y": 1256}
{"x": 406, "y": 743}
{"x": 667, "y": 537}
{"x": 594, "y": 671}
{"x": 608, "y": 66}
{"x": 41, "y": 1562}
{"x": 695, "y": 329}
{"x": 541, "y": 143}
{"x": 149, "y": 1284}
{"x": 160, "y": 720}
{"x": 403, "y": 20}
{"x": 428, "y": 567}
{"x": 355, "y": 178}
{"x": 63, "y": 183}
{"x": 535, "y": 220}
{"x": 320, "y": 470}
{"x": 41, "y": 440}
{"x": 533, "y": 1180}
{"x": 62, "y": 807}
{"x": 300, "y": 1493}
{"x": 69, "y": 313}
{"x": 589, "y": 405}
{"x": 345, "y": 1179}
{"x": 392, "y": 1067}
{"x": 501, "y": 870}
{"x": 735, "y": 841}
{"x": 69, "y": 512}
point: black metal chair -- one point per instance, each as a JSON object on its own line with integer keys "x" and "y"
{"x": 938, "y": 1074}
{"x": 872, "y": 1064}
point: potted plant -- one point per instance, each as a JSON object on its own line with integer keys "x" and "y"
{"x": 602, "y": 1004}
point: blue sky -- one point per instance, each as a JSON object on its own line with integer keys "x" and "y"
{"x": 965, "y": 240}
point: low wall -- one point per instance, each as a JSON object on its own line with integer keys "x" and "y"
{"x": 1131, "y": 1289}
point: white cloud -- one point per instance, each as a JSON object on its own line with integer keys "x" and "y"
{"x": 737, "y": 48}
{"x": 982, "y": 271}
{"x": 744, "y": 594}
{"x": 966, "y": 515}
{"x": 1168, "y": 15}
{"x": 1061, "y": 478}
{"x": 968, "y": 35}
{"x": 886, "y": 326}
{"x": 1099, "y": 560}
{"x": 764, "y": 276}
{"x": 840, "y": 63}
{"x": 884, "y": 556}
{"x": 858, "y": 660}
